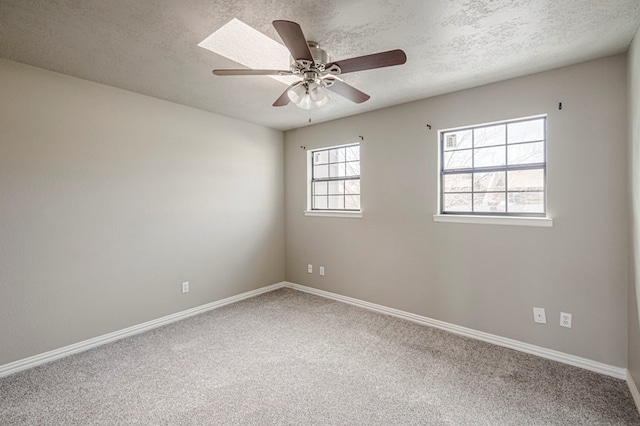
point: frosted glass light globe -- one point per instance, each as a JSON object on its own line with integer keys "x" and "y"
{"x": 308, "y": 94}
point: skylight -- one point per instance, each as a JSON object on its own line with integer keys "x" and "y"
{"x": 249, "y": 47}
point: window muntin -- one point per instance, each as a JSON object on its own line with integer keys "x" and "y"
{"x": 494, "y": 169}
{"x": 335, "y": 178}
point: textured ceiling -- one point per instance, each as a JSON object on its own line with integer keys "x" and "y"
{"x": 150, "y": 46}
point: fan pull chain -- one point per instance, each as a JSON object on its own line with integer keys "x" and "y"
{"x": 309, "y": 115}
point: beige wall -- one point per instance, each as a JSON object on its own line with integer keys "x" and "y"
{"x": 109, "y": 200}
{"x": 486, "y": 277}
{"x": 634, "y": 186}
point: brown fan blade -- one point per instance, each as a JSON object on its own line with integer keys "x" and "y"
{"x": 368, "y": 62}
{"x": 349, "y": 92}
{"x": 291, "y": 34}
{"x": 246, "y": 71}
{"x": 283, "y": 99}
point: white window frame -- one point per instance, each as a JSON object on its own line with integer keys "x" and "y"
{"x": 329, "y": 213}
{"x": 541, "y": 219}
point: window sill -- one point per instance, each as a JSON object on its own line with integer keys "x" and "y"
{"x": 495, "y": 220}
{"x": 334, "y": 213}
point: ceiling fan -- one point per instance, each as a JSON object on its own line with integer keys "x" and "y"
{"x": 310, "y": 62}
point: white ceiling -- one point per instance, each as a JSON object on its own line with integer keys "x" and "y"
{"x": 150, "y": 46}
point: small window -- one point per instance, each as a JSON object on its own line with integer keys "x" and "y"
{"x": 496, "y": 169}
{"x": 335, "y": 178}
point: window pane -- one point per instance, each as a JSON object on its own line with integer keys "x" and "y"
{"x": 485, "y": 202}
{"x": 457, "y": 159}
{"x": 337, "y": 170}
{"x": 336, "y": 202}
{"x": 320, "y": 202}
{"x": 489, "y": 136}
{"x": 456, "y": 140}
{"x": 336, "y": 187}
{"x": 526, "y": 131}
{"x": 526, "y": 202}
{"x": 502, "y": 173}
{"x": 488, "y": 181}
{"x": 320, "y": 171}
{"x": 526, "y": 180}
{"x": 352, "y": 186}
{"x": 319, "y": 188}
{"x": 352, "y": 202}
{"x": 488, "y": 157}
{"x": 321, "y": 157}
{"x": 335, "y": 175}
{"x": 353, "y": 153}
{"x": 526, "y": 153}
{"x": 337, "y": 155}
{"x": 457, "y": 182}
{"x": 457, "y": 202}
{"x": 352, "y": 168}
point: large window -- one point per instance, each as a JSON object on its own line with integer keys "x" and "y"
{"x": 494, "y": 169}
{"x": 335, "y": 178}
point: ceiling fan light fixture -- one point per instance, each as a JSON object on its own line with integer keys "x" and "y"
{"x": 308, "y": 94}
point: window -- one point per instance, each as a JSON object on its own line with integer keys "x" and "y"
{"x": 496, "y": 169}
{"x": 335, "y": 179}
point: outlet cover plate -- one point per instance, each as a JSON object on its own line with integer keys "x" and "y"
{"x": 309, "y": 269}
{"x": 539, "y": 315}
{"x": 185, "y": 287}
{"x": 565, "y": 319}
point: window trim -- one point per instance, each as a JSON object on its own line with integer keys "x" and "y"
{"x": 355, "y": 214}
{"x": 493, "y": 217}
{"x": 544, "y": 222}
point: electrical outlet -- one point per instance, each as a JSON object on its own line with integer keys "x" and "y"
{"x": 185, "y": 287}
{"x": 322, "y": 270}
{"x": 565, "y": 319}
{"x": 539, "y": 316}
{"x": 309, "y": 269}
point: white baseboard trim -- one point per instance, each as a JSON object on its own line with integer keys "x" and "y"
{"x": 43, "y": 358}
{"x": 598, "y": 367}
{"x": 634, "y": 390}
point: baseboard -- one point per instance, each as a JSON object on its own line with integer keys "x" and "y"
{"x": 634, "y": 390}
{"x": 43, "y": 358}
{"x": 598, "y": 367}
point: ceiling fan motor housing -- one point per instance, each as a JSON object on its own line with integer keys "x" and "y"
{"x": 317, "y": 67}
{"x": 319, "y": 55}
